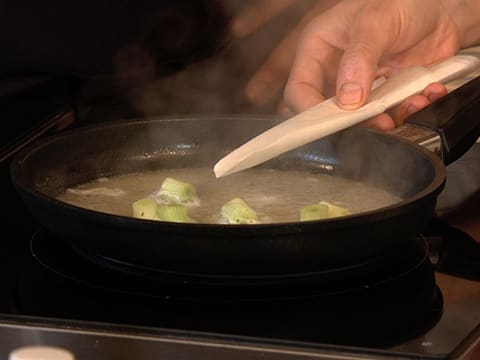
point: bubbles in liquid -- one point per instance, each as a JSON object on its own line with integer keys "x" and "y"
{"x": 276, "y": 196}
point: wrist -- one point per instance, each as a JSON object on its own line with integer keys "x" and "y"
{"x": 466, "y": 15}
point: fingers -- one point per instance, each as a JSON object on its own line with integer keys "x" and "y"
{"x": 305, "y": 87}
{"x": 256, "y": 14}
{"x": 397, "y": 115}
{"x": 434, "y": 91}
{"x": 415, "y": 103}
{"x": 407, "y": 108}
{"x": 284, "y": 110}
{"x": 356, "y": 73}
{"x": 383, "y": 122}
{"x": 309, "y": 76}
{"x": 268, "y": 81}
{"x": 266, "y": 85}
{"x": 342, "y": 45}
{"x": 358, "y": 67}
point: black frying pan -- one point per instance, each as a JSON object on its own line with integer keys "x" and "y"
{"x": 400, "y": 166}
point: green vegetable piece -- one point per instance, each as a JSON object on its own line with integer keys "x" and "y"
{"x": 334, "y": 210}
{"x": 174, "y": 191}
{"x": 237, "y": 211}
{"x": 314, "y": 212}
{"x": 322, "y": 210}
{"x": 173, "y": 213}
{"x": 145, "y": 209}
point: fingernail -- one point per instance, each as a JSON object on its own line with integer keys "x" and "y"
{"x": 350, "y": 94}
{"x": 411, "y": 109}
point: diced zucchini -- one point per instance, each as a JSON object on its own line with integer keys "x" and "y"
{"x": 145, "y": 209}
{"x": 237, "y": 211}
{"x": 174, "y": 191}
{"x": 334, "y": 210}
{"x": 314, "y": 212}
{"x": 173, "y": 213}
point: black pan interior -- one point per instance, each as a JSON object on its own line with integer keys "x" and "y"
{"x": 138, "y": 146}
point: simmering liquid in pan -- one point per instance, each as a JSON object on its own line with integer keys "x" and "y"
{"x": 276, "y": 196}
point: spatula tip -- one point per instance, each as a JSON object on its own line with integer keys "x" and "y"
{"x": 219, "y": 170}
{"x": 228, "y": 165}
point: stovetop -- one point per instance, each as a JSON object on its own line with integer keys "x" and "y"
{"x": 424, "y": 302}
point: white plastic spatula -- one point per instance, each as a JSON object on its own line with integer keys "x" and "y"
{"x": 327, "y": 118}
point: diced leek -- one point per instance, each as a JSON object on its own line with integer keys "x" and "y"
{"x": 145, "y": 209}
{"x": 173, "y": 191}
{"x": 314, "y": 212}
{"x": 334, "y": 210}
{"x": 173, "y": 213}
{"x": 322, "y": 210}
{"x": 237, "y": 211}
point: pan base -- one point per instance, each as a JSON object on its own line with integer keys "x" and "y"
{"x": 397, "y": 263}
{"x": 369, "y": 311}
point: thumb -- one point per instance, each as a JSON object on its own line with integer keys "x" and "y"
{"x": 358, "y": 68}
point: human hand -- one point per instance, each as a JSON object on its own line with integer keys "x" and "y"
{"x": 267, "y": 83}
{"x": 343, "y": 50}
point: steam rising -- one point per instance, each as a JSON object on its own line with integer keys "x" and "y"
{"x": 193, "y": 64}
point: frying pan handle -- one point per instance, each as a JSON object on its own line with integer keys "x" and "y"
{"x": 455, "y": 118}
{"x": 452, "y": 251}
